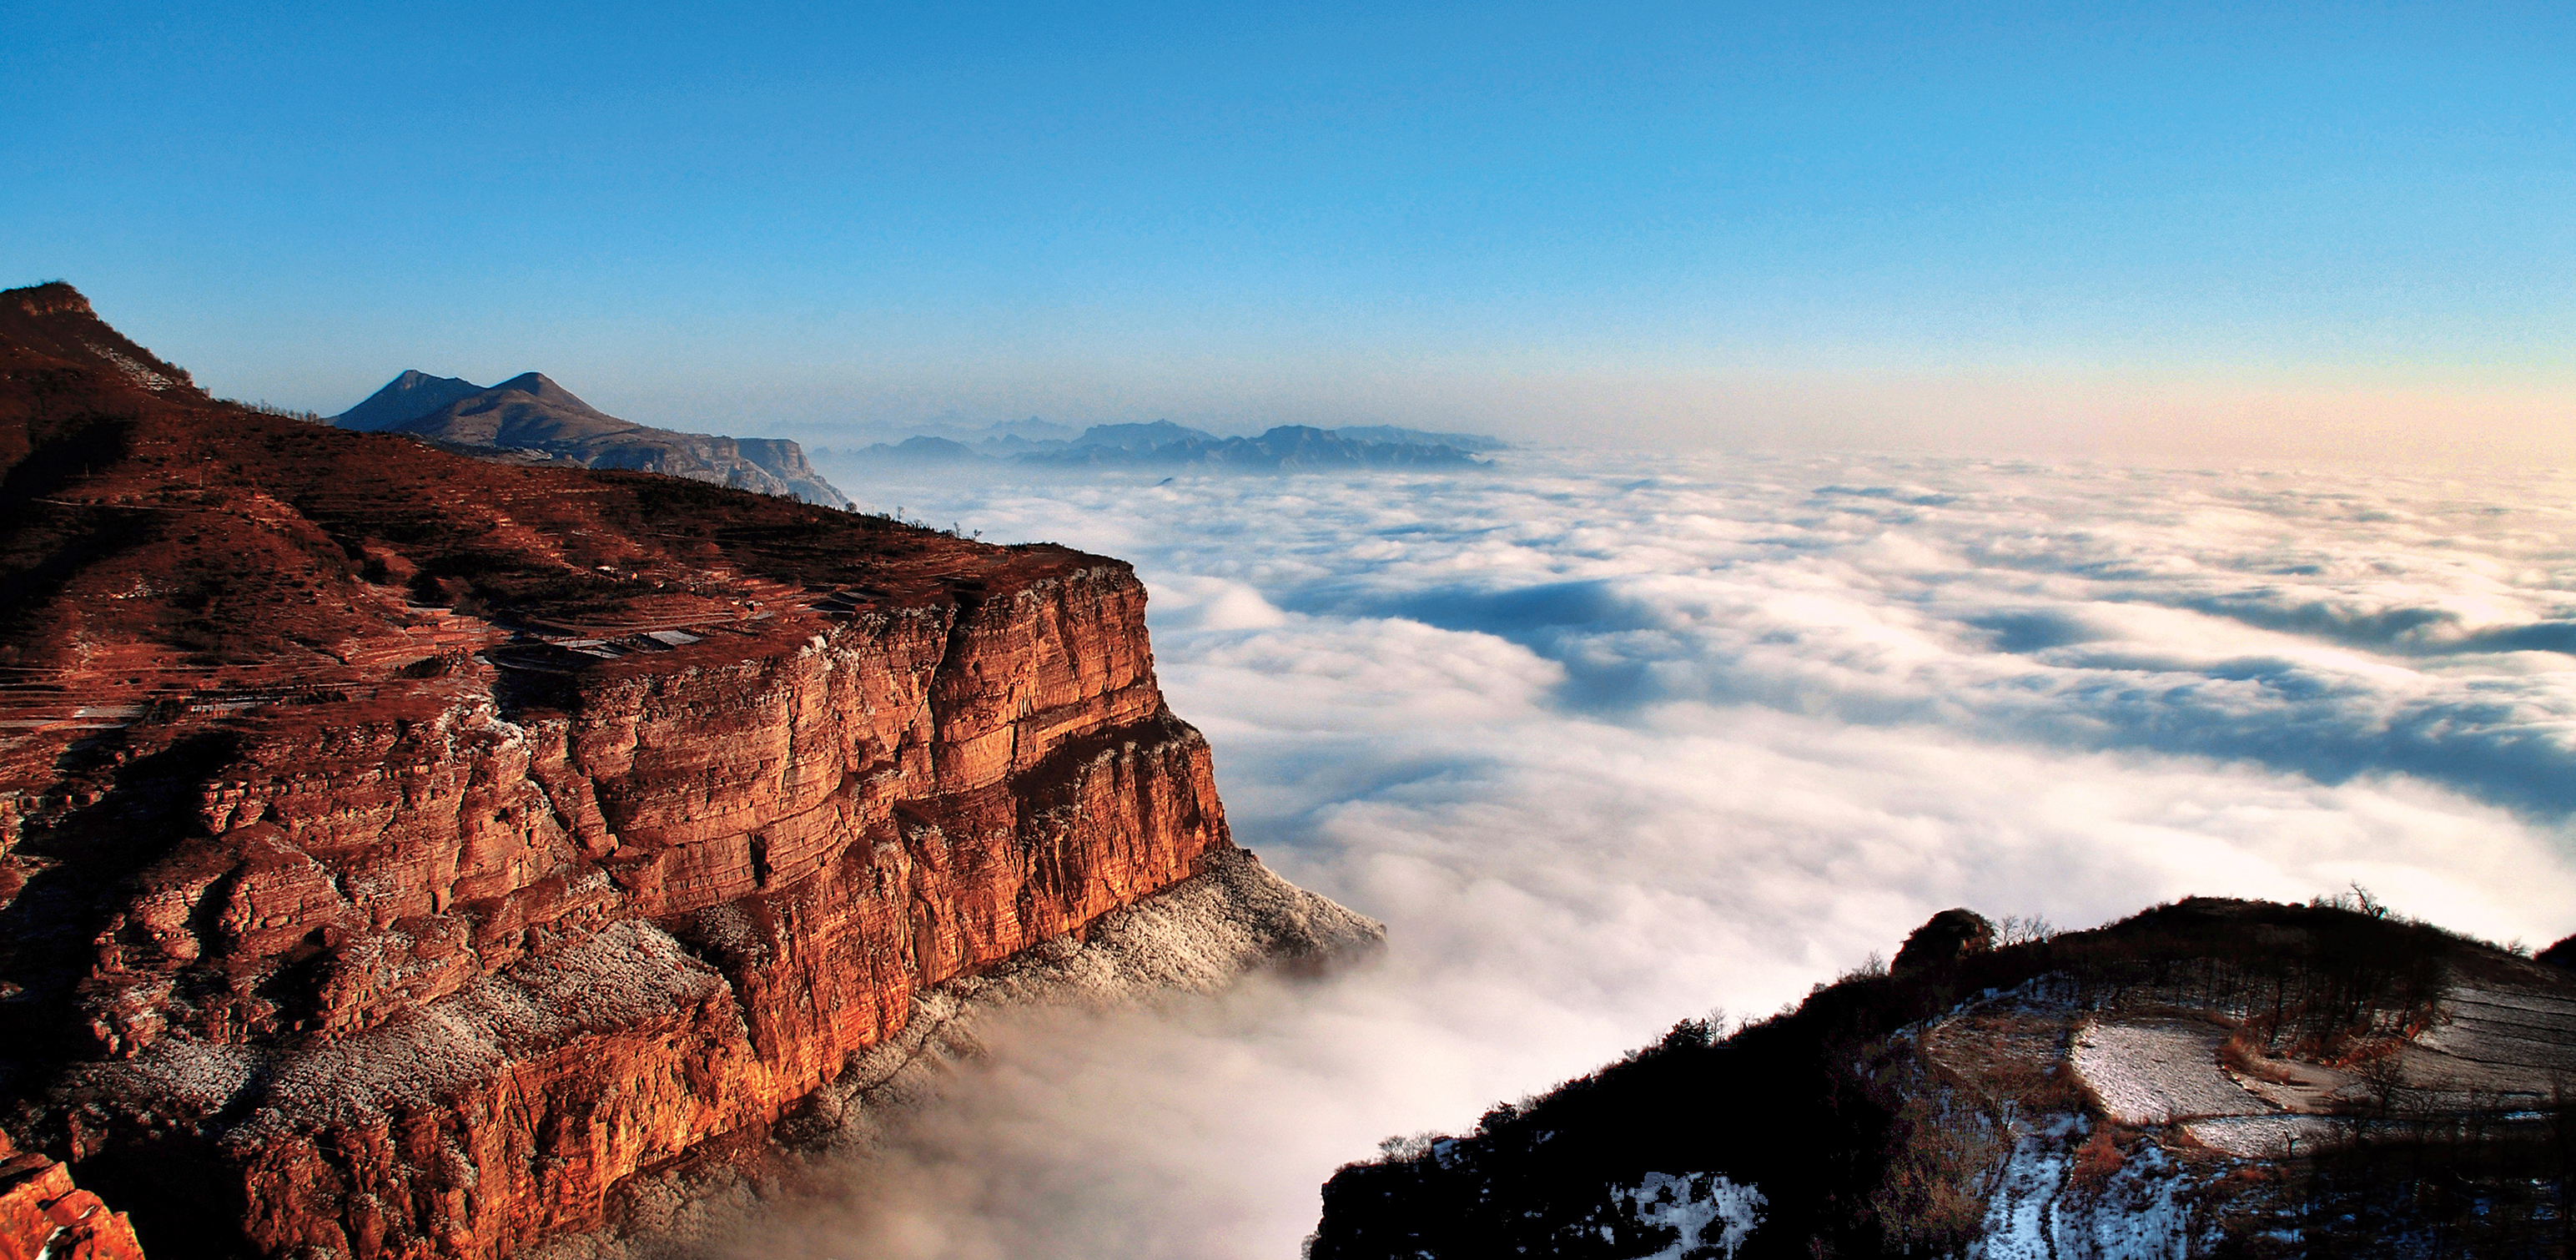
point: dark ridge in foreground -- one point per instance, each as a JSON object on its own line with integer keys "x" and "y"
{"x": 2212, "y": 1078}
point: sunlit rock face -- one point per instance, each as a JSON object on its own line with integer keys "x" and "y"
{"x": 44, "y": 1216}
{"x": 762, "y": 860}
{"x": 405, "y": 850}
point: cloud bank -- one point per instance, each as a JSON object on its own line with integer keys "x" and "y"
{"x": 1608, "y": 741}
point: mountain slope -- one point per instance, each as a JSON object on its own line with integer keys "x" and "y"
{"x": 51, "y": 327}
{"x": 2208, "y": 1078}
{"x": 528, "y": 410}
{"x": 532, "y": 416}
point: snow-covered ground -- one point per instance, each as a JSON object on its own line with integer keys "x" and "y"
{"x": 1705, "y": 1210}
{"x": 2021, "y": 1214}
{"x": 2140, "y": 1211}
{"x": 2156, "y": 1073}
{"x": 2264, "y": 1137}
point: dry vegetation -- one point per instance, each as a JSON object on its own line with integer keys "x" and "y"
{"x": 1877, "y": 1118}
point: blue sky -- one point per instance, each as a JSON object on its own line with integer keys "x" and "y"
{"x": 1827, "y": 223}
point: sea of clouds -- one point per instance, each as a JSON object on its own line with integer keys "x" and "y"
{"x": 1609, "y": 740}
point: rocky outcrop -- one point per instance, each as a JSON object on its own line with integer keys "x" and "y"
{"x": 1937, "y": 947}
{"x": 43, "y": 1216}
{"x": 405, "y": 852}
{"x": 537, "y": 956}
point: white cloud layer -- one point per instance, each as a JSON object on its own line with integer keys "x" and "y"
{"x": 1609, "y": 741}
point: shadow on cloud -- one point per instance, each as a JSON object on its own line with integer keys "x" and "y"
{"x": 2381, "y": 676}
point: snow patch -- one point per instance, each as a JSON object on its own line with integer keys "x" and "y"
{"x": 1689, "y": 1204}
{"x": 2021, "y": 1212}
{"x": 2155, "y": 1073}
{"x": 2141, "y": 1212}
{"x": 133, "y": 369}
{"x": 2265, "y": 1137}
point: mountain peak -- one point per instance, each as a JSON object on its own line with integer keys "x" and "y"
{"x": 542, "y": 387}
{"x": 529, "y": 414}
{"x": 403, "y": 399}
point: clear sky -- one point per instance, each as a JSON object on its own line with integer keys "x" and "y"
{"x": 2233, "y": 228}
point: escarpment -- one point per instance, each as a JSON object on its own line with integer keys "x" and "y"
{"x": 405, "y": 850}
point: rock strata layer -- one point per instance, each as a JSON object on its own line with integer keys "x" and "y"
{"x": 404, "y": 852}
{"x": 43, "y": 1216}
{"x": 1198, "y": 937}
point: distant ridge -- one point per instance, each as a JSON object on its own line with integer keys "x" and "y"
{"x": 1422, "y": 437}
{"x": 1142, "y": 437}
{"x": 1163, "y": 444}
{"x": 530, "y": 417}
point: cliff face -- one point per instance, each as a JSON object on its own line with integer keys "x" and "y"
{"x": 43, "y": 1216}
{"x": 405, "y": 850}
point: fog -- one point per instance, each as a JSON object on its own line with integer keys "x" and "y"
{"x": 1609, "y": 741}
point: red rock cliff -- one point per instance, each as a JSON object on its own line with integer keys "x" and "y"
{"x": 405, "y": 849}
{"x": 43, "y": 1216}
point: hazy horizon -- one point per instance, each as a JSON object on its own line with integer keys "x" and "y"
{"x": 2212, "y": 232}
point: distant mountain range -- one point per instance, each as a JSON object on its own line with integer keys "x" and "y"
{"x": 531, "y": 418}
{"x": 1163, "y": 444}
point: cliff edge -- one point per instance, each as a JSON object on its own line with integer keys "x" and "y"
{"x": 404, "y": 852}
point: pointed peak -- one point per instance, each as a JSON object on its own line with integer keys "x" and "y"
{"x": 541, "y": 387}
{"x": 414, "y": 378}
{"x": 537, "y": 383}
{"x": 404, "y": 399}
